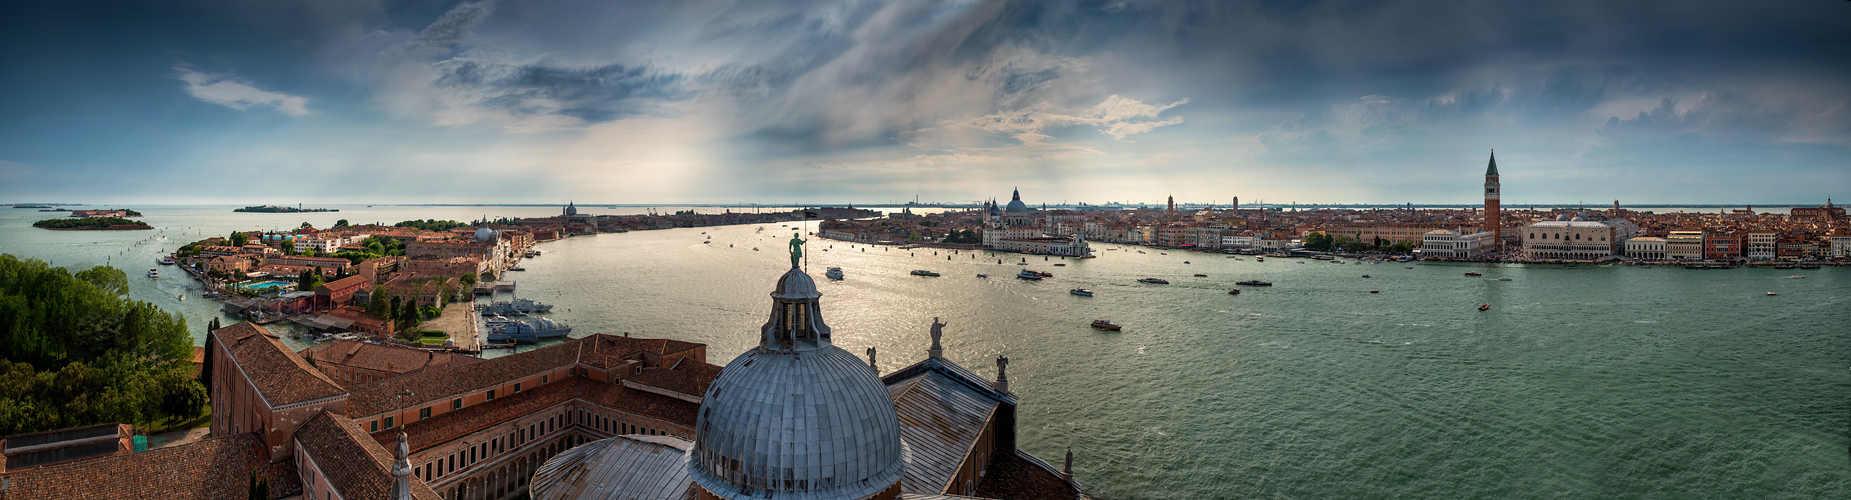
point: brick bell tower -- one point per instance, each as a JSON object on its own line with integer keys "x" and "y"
{"x": 1492, "y": 210}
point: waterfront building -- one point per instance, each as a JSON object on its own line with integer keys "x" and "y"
{"x": 930, "y": 430}
{"x": 1389, "y": 234}
{"x": 1821, "y": 213}
{"x": 1493, "y": 207}
{"x": 1073, "y": 246}
{"x": 1722, "y": 246}
{"x": 99, "y": 213}
{"x": 1841, "y": 245}
{"x": 1450, "y": 244}
{"x": 1760, "y": 245}
{"x": 1646, "y": 248}
{"x": 1684, "y": 245}
{"x": 1573, "y": 238}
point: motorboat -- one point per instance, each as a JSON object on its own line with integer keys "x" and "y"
{"x": 1254, "y": 283}
{"x": 1487, "y": 307}
{"x": 834, "y": 273}
{"x": 1770, "y": 293}
{"x": 1235, "y": 291}
{"x": 1061, "y": 265}
{"x": 1154, "y": 281}
{"x": 1503, "y": 279}
{"x": 1185, "y": 262}
{"x": 165, "y": 261}
{"x": 1365, "y": 276}
{"x": 517, "y": 268}
{"x": 1375, "y": 291}
{"x": 1259, "y": 259}
{"x": 1081, "y": 292}
{"x": 922, "y": 272}
{"x": 1028, "y": 275}
{"x": 1796, "y": 276}
{"x": 981, "y": 275}
{"x": 1043, "y": 274}
{"x": 1473, "y": 274}
{"x": 152, "y": 273}
{"x": 1021, "y": 263}
{"x": 1106, "y": 325}
{"x": 1200, "y": 275}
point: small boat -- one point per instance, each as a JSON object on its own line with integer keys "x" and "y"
{"x": 1473, "y": 274}
{"x": 165, "y": 261}
{"x": 1365, "y": 276}
{"x": 1375, "y": 291}
{"x": 1163, "y": 253}
{"x": 1185, "y": 262}
{"x": 922, "y": 272}
{"x": 1503, "y": 279}
{"x": 834, "y": 273}
{"x": 1410, "y": 268}
{"x": 517, "y": 268}
{"x": 180, "y": 297}
{"x": 1796, "y": 276}
{"x": 1199, "y": 275}
{"x": 1336, "y": 262}
{"x": 1259, "y": 259}
{"x": 1021, "y": 263}
{"x": 1254, "y": 283}
{"x": 1100, "y": 323}
{"x": 152, "y": 273}
{"x": 1045, "y": 274}
{"x": 1770, "y": 293}
{"x": 1061, "y": 265}
{"x": 1153, "y": 281}
{"x": 981, "y": 275}
{"x": 1485, "y": 307}
{"x": 1235, "y": 291}
{"x": 1081, "y": 292}
{"x": 1028, "y": 275}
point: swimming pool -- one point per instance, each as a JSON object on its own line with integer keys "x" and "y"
{"x": 269, "y": 284}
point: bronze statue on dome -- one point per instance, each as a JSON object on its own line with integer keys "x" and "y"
{"x": 796, "y": 249}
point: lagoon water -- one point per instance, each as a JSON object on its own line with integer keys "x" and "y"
{"x": 1589, "y": 382}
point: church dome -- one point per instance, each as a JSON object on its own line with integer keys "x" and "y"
{"x": 796, "y": 417}
{"x": 1015, "y": 203}
{"x": 1563, "y": 217}
{"x": 485, "y": 234}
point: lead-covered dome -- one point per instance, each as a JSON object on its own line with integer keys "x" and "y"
{"x": 1015, "y": 203}
{"x": 796, "y": 417}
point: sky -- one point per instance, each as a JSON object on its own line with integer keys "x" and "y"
{"x": 844, "y": 101}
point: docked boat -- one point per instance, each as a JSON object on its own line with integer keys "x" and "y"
{"x": 508, "y": 331}
{"x": 1254, "y": 283}
{"x": 1154, "y": 281}
{"x": 1081, "y": 292}
{"x": 516, "y": 307}
{"x": 549, "y": 329}
{"x": 165, "y": 261}
{"x": 1028, "y": 275}
{"x": 834, "y": 273}
{"x": 922, "y": 272}
{"x": 1106, "y": 325}
{"x": 1809, "y": 265}
{"x": 153, "y": 273}
{"x": 517, "y": 268}
{"x": 1473, "y": 274}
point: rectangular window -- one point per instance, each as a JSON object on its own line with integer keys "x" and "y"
{"x": 388, "y": 422}
{"x": 424, "y": 413}
{"x": 491, "y": 395}
{"x": 456, "y": 404}
{"x": 517, "y": 388}
{"x": 545, "y": 378}
{"x": 375, "y": 426}
{"x": 472, "y": 456}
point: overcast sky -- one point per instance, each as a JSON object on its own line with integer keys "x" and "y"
{"x": 695, "y": 101}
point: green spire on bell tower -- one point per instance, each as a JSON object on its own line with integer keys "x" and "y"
{"x": 1493, "y": 169}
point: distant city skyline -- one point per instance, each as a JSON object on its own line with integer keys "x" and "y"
{"x": 712, "y": 102}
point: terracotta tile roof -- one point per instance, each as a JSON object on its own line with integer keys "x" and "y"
{"x": 356, "y": 465}
{"x": 278, "y": 373}
{"x": 446, "y": 382}
{"x": 383, "y": 357}
{"x": 1012, "y": 478}
{"x": 214, "y": 468}
{"x": 687, "y": 376}
{"x": 609, "y": 351}
{"x": 343, "y": 283}
{"x": 454, "y": 425}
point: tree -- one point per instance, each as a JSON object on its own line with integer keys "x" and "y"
{"x": 377, "y": 305}
{"x": 304, "y": 282}
{"x": 305, "y": 225}
{"x": 205, "y": 368}
{"x": 469, "y": 279}
{"x": 392, "y": 312}
{"x": 238, "y": 239}
{"x": 289, "y": 247}
{"x": 260, "y": 486}
{"x": 340, "y": 223}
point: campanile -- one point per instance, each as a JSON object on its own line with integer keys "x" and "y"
{"x": 1492, "y": 210}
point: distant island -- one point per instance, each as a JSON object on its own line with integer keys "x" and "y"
{"x": 31, "y": 206}
{"x": 273, "y": 209}
{"x": 92, "y": 224}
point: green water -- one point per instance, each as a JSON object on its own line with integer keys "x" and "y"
{"x": 1578, "y": 383}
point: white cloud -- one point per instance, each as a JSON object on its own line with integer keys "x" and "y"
{"x": 1119, "y": 117}
{"x": 225, "y": 91}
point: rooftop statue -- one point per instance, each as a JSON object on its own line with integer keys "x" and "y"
{"x": 796, "y": 249}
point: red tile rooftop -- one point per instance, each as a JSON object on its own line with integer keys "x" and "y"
{"x": 354, "y": 463}
{"x": 278, "y": 373}
{"x": 457, "y": 424}
{"x": 215, "y": 468}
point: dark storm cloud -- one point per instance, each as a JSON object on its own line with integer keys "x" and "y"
{"x": 594, "y": 94}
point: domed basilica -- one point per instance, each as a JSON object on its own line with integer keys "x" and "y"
{"x": 799, "y": 418}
